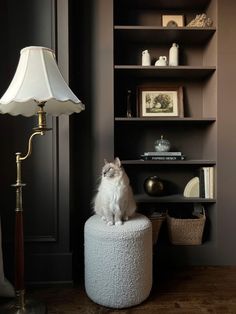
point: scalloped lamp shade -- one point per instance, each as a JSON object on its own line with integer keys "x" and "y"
{"x": 38, "y": 79}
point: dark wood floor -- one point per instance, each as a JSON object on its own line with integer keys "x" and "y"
{"x": 197, "y": 290}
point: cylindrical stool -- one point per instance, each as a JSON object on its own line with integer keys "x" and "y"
{"x": 118, "y": 261}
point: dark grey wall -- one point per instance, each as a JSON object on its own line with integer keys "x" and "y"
{"x": 226, "y": 132}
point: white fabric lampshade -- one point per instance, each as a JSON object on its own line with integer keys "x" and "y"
{"x": 38, "y": 79}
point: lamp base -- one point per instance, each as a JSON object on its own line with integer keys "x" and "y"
{"x": 31, "y": 307}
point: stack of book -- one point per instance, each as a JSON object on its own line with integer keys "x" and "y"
{"x": 206, "y": 178}
{"x": 162, "y": 156}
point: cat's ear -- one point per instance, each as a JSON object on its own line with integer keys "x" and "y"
{"x": 105, "y": 161}
{"x": 117, "y": 161}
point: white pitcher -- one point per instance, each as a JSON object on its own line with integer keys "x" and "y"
{"x": 174, "y": 55}
{"x": 146, "y": 59}
{"x": 162, "y": 61}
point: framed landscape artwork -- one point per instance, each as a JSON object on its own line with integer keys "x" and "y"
{"x": 162, "y": 101}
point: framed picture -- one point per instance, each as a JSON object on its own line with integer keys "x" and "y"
{"x": 160, "y": 101}
{"x": 173, "y": 20}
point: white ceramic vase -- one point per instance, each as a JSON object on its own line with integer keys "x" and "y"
{"x": 174, "y": 55}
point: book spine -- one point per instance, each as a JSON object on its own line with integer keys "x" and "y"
{"x": 206, "y": 182}
{"x": 202, "y": 183}
{"x": 163, "y": 158}
{"x": 211, "y": 182}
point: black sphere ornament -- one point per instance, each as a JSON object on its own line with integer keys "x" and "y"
{"x": 153, "y": 186}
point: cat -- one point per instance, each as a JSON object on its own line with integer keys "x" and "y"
{"x": 114, "y": 201}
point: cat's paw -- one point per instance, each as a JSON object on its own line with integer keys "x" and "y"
{"x": 110, "y": 223}
{"x": 103, "y": 218}
{"x": 126, "y": 218}
{"x": 118, "y": 223}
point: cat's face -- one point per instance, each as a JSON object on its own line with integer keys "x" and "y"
{"x": 112, "y": 169}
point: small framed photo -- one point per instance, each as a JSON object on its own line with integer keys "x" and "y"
{"x": 173, "y": 20}
{"x": 160, "y": 101}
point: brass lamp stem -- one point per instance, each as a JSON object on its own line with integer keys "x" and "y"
{"x": 21, "y": 305}
{"x": 19, "y": 234}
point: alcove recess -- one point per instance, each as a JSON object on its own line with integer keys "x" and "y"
{"x": 137, "y": 27}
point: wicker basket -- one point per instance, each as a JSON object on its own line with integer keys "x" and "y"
{"x": 156, "y": 221}
{"x": 186, "y": 231}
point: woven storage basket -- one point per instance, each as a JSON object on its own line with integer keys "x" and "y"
{"x": 186, "y": 231}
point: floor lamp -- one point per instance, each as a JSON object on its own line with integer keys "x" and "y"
{"x": 37, "y": 88}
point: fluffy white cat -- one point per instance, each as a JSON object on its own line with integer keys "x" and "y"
{"x": 114, "y": 201}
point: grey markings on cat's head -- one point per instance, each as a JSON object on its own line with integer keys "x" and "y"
{"x": 112, "y": 169}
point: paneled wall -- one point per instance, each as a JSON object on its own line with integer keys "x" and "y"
{"x": 46, "y": 173}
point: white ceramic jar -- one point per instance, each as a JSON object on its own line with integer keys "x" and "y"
{"x": 146, "y": 59}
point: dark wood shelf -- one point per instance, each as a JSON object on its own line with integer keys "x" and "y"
{"x": 160, "y": 35}
{"x": 199, "y": 162}
{"x": 184, "y": 71}
{"x": 163, "y": 4}
{"x": 177, "y": 198}
{"x": 204, "y": 120}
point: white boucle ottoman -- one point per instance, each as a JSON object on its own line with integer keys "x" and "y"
{"x": 118, "y": 261}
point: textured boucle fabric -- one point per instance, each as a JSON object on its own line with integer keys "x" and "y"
{"x": 118, "y": 261}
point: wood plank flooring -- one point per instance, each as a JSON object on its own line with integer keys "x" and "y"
{"x": 195, "y": 290}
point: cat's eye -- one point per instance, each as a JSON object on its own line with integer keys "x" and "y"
{"x": 107, "y": 170}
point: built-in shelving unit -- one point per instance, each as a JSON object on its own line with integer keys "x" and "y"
{"x": 137, "y": 27}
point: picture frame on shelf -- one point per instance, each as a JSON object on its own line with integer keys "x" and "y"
{"x": 160, "y": 101}
{"x": 173, "y": 20}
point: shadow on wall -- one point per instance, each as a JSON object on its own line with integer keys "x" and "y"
{"x": 81, "y": 127}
